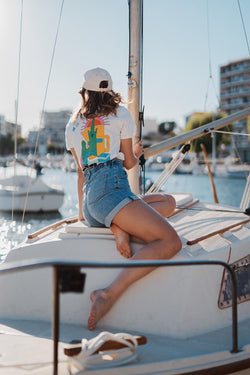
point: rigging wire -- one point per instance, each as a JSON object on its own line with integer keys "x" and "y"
{"x": 246, "y": 212}
{"x": 44, "y": 102}
{"x": 16, "y": 104}
{"x": 210, "y": 78}
{"x": 244, "y": 28}
{"x": 232, "y": 133}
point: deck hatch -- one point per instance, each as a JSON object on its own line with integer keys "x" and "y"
{"x": 242, "y": 272}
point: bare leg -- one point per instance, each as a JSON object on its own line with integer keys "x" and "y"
{"x": 163, "y": 203}
{"x": 162, "y": 242}
{"x": 122, "y": 239}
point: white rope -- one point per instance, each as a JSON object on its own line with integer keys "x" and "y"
{"x": 167, "y": 172}
{"x": 89, "y": 359}
{"x": 246, "y": 195}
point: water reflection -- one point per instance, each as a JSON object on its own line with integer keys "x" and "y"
{"x": 15, "y": 231}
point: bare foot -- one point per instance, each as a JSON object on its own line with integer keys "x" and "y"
{"x": 101, "y": 304}
{"x": 122, "y": 239}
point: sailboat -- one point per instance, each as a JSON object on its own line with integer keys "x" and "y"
{"x": 23, "y": 189}
{"x": 193, "y": 311}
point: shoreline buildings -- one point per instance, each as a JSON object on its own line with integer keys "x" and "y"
{"x": 235, "y": 96}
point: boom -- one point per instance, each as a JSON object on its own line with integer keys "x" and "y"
{"x": 196, "y": 133}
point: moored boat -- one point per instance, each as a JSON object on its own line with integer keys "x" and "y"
{"x": 31, "y": 194}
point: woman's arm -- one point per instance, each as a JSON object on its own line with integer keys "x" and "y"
{"x": 80, "y": 183}
{"x": 131, "y": 153}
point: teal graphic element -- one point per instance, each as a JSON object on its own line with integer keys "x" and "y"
{"x": 90, "y": 148}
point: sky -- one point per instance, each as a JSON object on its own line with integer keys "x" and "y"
{"x": 180, "y": 39}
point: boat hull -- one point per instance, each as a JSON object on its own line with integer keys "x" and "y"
{"x": 36, "y": 202}
{"x": 165, "y": 295}
{"x": 29, "y": 194}
{"x": 184, "y": 311}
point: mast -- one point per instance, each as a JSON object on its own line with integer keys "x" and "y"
{"x": 134, "y": 78}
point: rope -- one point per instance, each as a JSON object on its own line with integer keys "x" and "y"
{"x": 43, "y": 106}
{"x": 90, "y": 358}
{"x": 16, "y": 106}
{"x": 168, "y": 171}
{"x": 243, "y": 25}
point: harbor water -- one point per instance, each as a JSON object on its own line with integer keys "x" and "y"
{"x": 15, "y": 230}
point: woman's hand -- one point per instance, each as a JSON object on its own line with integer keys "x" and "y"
{"x": 131, "y": 152}
{"x": 138, "y": 149}
{"x": 81, "y": 217}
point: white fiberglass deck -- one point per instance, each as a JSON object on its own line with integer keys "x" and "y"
{"x": 176, "y": 308}
{"x": 26, "y": 347}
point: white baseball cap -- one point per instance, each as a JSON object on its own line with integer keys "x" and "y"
{"x": 97, "y": 79}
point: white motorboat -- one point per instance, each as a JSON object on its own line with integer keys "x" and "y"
{"x": 40, "y": 197}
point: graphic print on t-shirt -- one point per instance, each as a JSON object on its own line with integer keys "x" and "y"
{"x": 95, "y": 144}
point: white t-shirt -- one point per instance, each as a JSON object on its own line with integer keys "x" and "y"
{"x": 97, "y": 140}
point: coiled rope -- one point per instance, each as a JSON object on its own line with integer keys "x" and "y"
{"x": 91, "y": 358}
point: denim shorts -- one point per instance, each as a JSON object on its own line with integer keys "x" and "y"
{"x": 106, "y": 192}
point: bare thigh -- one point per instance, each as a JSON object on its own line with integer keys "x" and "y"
{"x": 139, "y": 219}
{"x": 163, "y": 203}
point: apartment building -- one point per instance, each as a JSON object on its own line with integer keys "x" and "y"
{"x": 235, "y": 96}
{"x": 53, "y": 124}
{"x": 7, "y": 127}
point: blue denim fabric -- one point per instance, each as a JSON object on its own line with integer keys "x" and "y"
{"x": 106, "y": 192}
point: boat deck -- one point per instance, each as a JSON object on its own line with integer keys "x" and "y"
{"x": 26, "y": 347}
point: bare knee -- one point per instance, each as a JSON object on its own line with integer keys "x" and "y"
{"x": 171, "y": 246}
{"x": 178, "y": 245}
{"x": 169, "y": 205}
{"x": 172, "y": 202}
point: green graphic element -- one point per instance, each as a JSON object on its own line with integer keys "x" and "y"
{"x": 89, "y": 148}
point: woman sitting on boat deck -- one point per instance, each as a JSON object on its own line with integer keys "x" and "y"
{"x": 100, "y": 139}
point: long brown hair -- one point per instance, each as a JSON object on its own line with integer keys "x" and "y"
{"x": 96, "y": 103}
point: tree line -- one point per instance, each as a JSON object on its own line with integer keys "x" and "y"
{"x": 7, "y": 144}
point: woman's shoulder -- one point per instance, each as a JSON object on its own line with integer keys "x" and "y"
{"x": 123, "y": 112}
{"x": 74, "y": 119}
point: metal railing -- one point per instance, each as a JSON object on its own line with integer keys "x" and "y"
{"x": 67, "y": 278}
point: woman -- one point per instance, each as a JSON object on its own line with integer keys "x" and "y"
{"x": 100, "y": 139}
